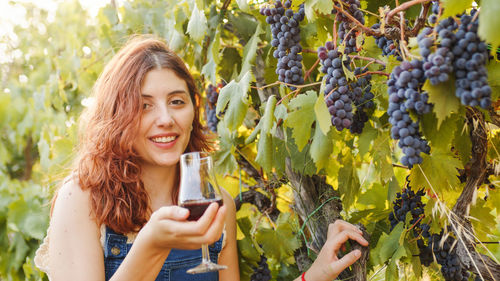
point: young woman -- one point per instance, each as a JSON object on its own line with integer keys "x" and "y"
{"x": 115, "y": 217}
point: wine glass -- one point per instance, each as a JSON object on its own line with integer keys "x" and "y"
{"x": 197, "y": 190}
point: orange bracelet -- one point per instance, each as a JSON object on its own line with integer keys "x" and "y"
{"x": 304, "y": 276}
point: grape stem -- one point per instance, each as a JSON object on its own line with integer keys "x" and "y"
{"x": 373, "y": 72}
{"x": 335, "y": 31}
{"x": 400, "y": 166}
{"x": 403, "y": 7}
{"x": 297, "y": 91}
{"x": 367, "y": 59}
{"x": 311, "y": 69}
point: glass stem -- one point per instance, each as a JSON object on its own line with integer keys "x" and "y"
{"x": 204, "y": 253}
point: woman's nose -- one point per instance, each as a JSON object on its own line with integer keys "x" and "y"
{"x": 164, "y": 117}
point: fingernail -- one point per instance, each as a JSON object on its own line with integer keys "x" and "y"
{"x": 357, "y": 253}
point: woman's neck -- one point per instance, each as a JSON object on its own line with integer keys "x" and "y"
{"x": 159, "y": 183}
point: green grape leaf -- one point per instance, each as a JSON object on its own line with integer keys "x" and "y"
{"x": 322, "y": 115}
{"x": 281, "y": 242}
{"x": 268, "y": 118}
{"x": 493, "y": 68}
{"x": 209, "y": 70}
{"x": 301, "y": 160}
{"x": 279, "y": 156}
{"x": 321, "y": 148}
{"x": 366, "y": 138}
{"x": 489, "y": 22}
{"x": 29, "y": 217}
{"x": 265, "y": 151}
{"x": 197, "y": 25}
{"x": 443, "y": 98}
{"x": 250, "y": 51}
{"x": 381, "y": 152}
{"x": 236, "y": 94}
{"x": 246, "y": 246}
{"x": 461, "y": 141}
{"x": 374, "y": 197}
{"x": 387, "y": 245}
{"x": 321, "y": 6}
{"x": 243, "y": 5}
{"x": 454, "y": 7}
{"x": 392, "y": 272}
{"x": 225, "y": 161}
{"x": 438, "y": 171}
{"x": 302, "y": 117}
{"x": 244, "y": 24}
{"x": 439, "y": 137}
{"x": 348, "y": 179}
{"x": 394, "y": 187}
{"x": 483, "y": 220}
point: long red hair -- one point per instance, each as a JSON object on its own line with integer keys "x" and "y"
{"x": 107, "y": 165}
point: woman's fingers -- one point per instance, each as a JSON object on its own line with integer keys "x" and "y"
{"x": 347, "y": 260}
{"x": 208, "y": 225}
{"x": 345, "y": 235}
{"x": 171, "y": 213}
{"x": 214, "y": 231}
{"x": 339, "y": 226}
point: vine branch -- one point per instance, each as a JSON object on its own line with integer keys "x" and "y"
{"x": 480, "y": 264}
{"x": 367, "y": 30}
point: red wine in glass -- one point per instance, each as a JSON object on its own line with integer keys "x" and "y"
{"x": 198, "y": 188}
{"x": 197, "y": 207}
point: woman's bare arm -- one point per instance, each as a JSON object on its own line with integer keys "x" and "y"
{"x": 229, "y": 254}
{"x": 75, "y": 250}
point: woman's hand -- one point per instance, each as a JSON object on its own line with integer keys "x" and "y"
{"x": 327, "y": 265}
{"x": 168, "y": 228}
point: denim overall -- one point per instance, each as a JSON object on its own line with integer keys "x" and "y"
{"x": 175, "y": 266}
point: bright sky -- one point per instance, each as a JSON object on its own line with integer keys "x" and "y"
{"x": 12, "y": 12}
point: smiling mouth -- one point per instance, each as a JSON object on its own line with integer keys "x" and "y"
{"x": 164, "y": 139}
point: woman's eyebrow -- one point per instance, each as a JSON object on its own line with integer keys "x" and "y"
{"x": 145, "y": 95}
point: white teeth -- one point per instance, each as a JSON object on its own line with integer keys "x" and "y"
{"x": 164, "y": 139}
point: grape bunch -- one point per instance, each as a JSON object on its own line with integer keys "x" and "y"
{"x": 212, "y": 97}
{"x": 404, "y": 88}
{"x": 346, "y": 34}
{"x": 286, "y": 39}
{"x": 388, "y": 46}
{"x": 444, "y": 252}
{"x": 338, "y": 96}
{"x": 435, "y": 12}
{"x": 363, "y": 100}
{"x": 407, "y": 201}
{"x": 262, "y": 272}
{"x": 471, "y": 56}
{"x": 438, "y": 65}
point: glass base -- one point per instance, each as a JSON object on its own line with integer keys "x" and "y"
{"x": 206, "y": 267}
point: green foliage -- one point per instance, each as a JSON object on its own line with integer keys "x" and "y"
{"x": 489, "y": 22}
{"x": 62, "y": 58}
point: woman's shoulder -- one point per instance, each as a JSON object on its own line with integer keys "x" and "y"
{"x": 71, "y": 192}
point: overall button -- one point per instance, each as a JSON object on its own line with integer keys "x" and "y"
{"x": 115, "y": 251}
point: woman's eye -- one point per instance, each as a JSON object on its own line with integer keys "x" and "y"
{"x": 146, "y": 106}
{"x": 177, "y": 102}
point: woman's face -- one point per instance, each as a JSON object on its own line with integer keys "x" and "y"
{"x": 167, "y": 118}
